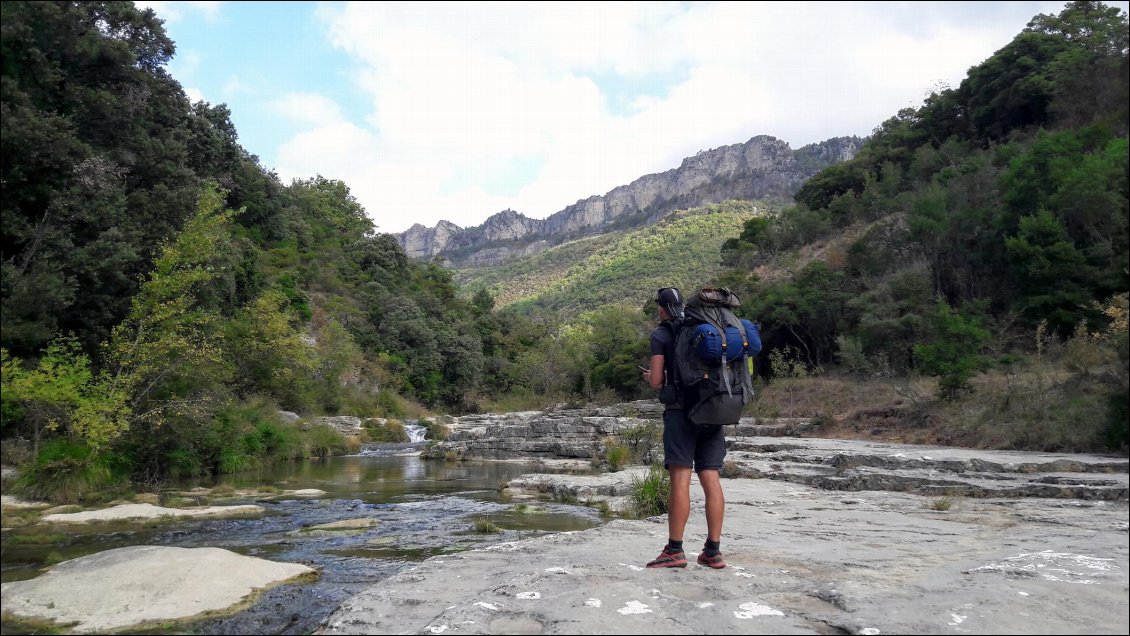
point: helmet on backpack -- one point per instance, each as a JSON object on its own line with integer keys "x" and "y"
{"x": 670, "y": 299}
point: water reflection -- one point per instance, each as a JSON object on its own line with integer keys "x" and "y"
{"x": 420, "y": 508}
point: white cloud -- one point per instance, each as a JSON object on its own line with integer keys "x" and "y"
{"x": 308, "y": 108}
{"x": 194, "y": 94}
{"x": 173, "y": 11}
{"x": 463, "y": 93}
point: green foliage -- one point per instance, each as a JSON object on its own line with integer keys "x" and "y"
{"x": 683, "y": 249}
{"x": 618, "y": 344}
{"x": 811, "y": 310}
{"x": 482, "y": 525}
{"x": 617, "y": 457}
{"x": 642, "y": 440}
{"x": 436, "y": 431}
{"x": 61, "y": 395}
{"x": 649, "y": 494}
{"x": 390, "y": 431}
{"x": 1048, "y": 269}
{"x": 953, "y": 354}
{"x": 65, "y": 471}
{"x": 168, "y": 354}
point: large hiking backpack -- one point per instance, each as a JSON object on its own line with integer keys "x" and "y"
{"x": 712, "y": 350}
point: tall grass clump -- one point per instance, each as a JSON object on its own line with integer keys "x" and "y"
{"x": 436, "y": 431}
{"x": 649, "y": 494}
{"x": 66, "y": 471}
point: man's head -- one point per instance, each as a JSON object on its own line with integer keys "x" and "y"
{"x": 671, "y": 301}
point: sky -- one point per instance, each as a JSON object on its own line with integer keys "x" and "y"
{"x": 434, "y": 111}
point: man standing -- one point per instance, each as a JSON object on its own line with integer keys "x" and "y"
{"x": 686, "y": 447}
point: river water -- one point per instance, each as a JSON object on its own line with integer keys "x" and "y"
{"x": 421, "y": 508}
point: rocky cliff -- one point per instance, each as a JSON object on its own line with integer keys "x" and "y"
{"x": 762, "y": 168}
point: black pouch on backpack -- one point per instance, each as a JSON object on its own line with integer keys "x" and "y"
{"x": 716, "y": 406}
{"x": 669, "y": 395}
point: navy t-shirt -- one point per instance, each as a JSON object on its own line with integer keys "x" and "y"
{"x": 663, "y": 344}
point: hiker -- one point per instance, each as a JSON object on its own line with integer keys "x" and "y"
{"x": 686, "y": 446}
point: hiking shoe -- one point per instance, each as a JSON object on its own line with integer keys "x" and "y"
{"x": 669, "y": 560}
{"x": 715, "y": 561}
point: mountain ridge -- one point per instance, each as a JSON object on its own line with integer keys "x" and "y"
{"x": 761, "y": 168}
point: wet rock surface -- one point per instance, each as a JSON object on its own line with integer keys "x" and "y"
{"x": 142, "y": 584}
{"x": 821, "y": 537}
{"x": 801, "y": 560}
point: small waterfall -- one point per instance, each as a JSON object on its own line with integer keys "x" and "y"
{"x": 415, "y": 432}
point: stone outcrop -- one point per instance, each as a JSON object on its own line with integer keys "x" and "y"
{"x": 762, "y": 168}
{"x": 144, "y": 584}
{"x": 566, "y": 432}
{"x": 149, "y": 511}
{"x": 932, "y": 540}
{"x": 562, "y": 432}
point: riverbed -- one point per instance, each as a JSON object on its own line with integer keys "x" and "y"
{"x": 417, "y": 508}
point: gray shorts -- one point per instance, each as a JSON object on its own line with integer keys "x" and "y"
{"x": 691, "y": 445}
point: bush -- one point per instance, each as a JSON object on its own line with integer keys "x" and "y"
{"x": 649, "y": 495}
{"x": 321, "y": 440}
{"x": 436, "y": 431}
{"x": 68, "y": 472}
{"x": 387, "y": 432}
{"x": 486, "y": 526}
{"x": 617, "y": 455}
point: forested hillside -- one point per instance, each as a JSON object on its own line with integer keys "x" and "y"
{"x": 618, "y": 267}
{"x": 979, "y": 232}
{"x": 163, "y": 295}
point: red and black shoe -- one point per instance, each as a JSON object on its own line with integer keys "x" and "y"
{"x": 666, "y": 559}
{"x": 714, "y": 561}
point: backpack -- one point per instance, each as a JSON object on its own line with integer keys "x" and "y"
{"x": 713, "y": 349}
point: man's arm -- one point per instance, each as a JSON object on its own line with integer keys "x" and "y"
{"x": 655, "y": 374}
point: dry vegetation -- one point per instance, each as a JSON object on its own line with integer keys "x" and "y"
{"x": 1033, "y": 409}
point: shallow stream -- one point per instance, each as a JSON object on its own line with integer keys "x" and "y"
{"x": 420, "y": 508}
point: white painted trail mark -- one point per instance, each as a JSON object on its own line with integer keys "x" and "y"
{"x": 529, "y": 595}
{"x": 957, "y": 619}
{"x": 593, "y": 602}
{"x": 487, "y": 606}
{"x": 705, "y": 604}
{"x": 634, "y": 607}
{"x": 750, "y": 610}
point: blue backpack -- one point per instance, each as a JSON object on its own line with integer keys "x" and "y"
{"x": 712, "y": 348}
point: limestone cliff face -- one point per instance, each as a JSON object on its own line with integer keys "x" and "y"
{"x": 762, "y": 168}
{"x": 422, "y": 242}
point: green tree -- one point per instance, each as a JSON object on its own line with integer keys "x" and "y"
{"x": 62, "y": 396}
{"x": 168, "y": 355}
{"x": 1051, "y": 274}
{"x": 953, "y": 353}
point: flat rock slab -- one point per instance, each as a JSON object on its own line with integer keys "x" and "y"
{"x": 144, "y": 584}
{"x": 7, "y": 502}
{"x": 149, "y": 511}
{"x": 801, "y": 561}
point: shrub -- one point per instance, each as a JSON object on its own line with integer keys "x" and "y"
{"x": 642, "y": 440}
{"x": 67, "y": 472}
{"x": 617, "y": 455}
{"x": 321, "y": 440}
{"x": 436, "y": 431}
{"x": 486, "y": 526}
{"x": 649, "y": 494}
{"x": 387, "y": 432}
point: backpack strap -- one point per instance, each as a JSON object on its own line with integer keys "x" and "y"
{"x": 670, "y": 369}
